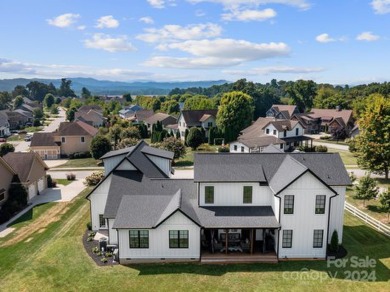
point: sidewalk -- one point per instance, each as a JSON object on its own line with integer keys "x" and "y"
{"x": 59, "y": 194}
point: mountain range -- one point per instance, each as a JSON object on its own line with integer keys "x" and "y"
{"x": 105, "y": 87}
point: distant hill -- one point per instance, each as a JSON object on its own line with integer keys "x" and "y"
{"x": 113, "y": 87}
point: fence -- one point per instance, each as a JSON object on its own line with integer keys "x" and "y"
{"x": 368, "y": 219}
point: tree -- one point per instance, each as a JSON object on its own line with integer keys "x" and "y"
{"x": 38, "y": 90}
{"x": 100, "y": 145}
{"x": 18, "y": 101}
{"x": 49, "y": 100}
{"x": 115, "y": 132}
{"x": 373, "y": 142}
{"x": 131, "y": 132}
{"x": 194, "y": 138}
{"x": 85, "y": 93}
{"x": 199, "y": 102}
{"x": 19, "y": 90}
{"x": 54, "y": 110}
{"x": 334, "y": 242}
{"x": 127, "y": 97}
{"x": 384, "y": 199}
{"x": 127, "y": 142}
{"x": 6, "y": 148}
{"x": 302, "y": 93}
{"x": 18, "y": 192}
{"x": 174, "y": 145}
{"x": 235, "y": 113}
{"x": 37, "y": 113}
{"x": 70, "y": 114}
{"x": 170, "y": 107}
{"x": 65, "y": 89}
{"x": 366, "y": 189}
{"x": 5, "y": 100}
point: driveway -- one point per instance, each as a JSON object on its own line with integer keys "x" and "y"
{"x": 80, "y": 175}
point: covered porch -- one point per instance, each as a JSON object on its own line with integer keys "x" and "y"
{"x": 294, "y": 142}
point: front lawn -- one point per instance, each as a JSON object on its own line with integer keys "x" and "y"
{"x": 54, "y": 260}
{"x": 63, "y": 181}
{"x": 33, "y": 129}
{"x": 347, "y": 157}
{"x": 82, "y": 162}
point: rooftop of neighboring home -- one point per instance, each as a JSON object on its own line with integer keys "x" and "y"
{"x": 77, "y": 128}
{"x": 286, "y": 110}
{"x": 142, "y": 115}
{"x": 194, "y": 117}
{"x": 3, "y": 119}
{"x": 23, "y": 164}
{"x": 21, "y": 112}
{"x": 89, "y": 116}
{"x": 43, "y": 139}
{"x": 330, "y": 114}
{"x": 87, "y": 108}
{"x": 165, "y": 119}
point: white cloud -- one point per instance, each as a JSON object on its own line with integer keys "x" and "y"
{"x": 109, "y": 43}
{"x": 218, "y": 53}
{"x": 249, "y": 15}
{"x": 200, "y": 13}
{"x": 324, "y": 38}
{"x": 176, "y": 32}
{"x": 381, "y": 6}
{"x": 147, "y": 20}
{"x": 64, "y": 20}
{"x": 107, "y": 21}
{"x": 161, "y": 3}
{"x": 229, "y": 4}
{"x": 273, "y": 70}
{"x": 81, "y": 27}
{"x": 367, "y": 36}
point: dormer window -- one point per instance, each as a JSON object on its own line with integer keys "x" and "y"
{"x": 285, "y": 133}
{"x": 274, "y": 132}
{"x": 267, "y": 131}
{"x": 296, "y": 131}
{"x": 209, "y": 194}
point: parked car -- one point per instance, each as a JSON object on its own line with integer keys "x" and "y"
{"x": 3, "y": 140}
{"x": 27, "y": 138}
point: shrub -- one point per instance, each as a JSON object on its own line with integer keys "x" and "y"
{"x": 306, "y": 148}
{"x": 79, "y": 155}
{"x": 94, "y": 178}
{"x": 108, "y": 254}
{"x": 194, "y": 138}
{"x": 36, "y": 123}
{"x": 91, "y": 234}
{"x": 89, "y": 226}
{"x": 70, "y": 176}
{"x": 325, "y": 137}
{"x": 205, "y": 147}
{"x": 223, "y": 149}
{"x": 49, "y": 181}
{"x": 104, "y": 260}
{"x": 90, "y": 238}
{"x": 334, "y": 242}
{"x": 95, "y": 249}
{"x": 321, "y": 148}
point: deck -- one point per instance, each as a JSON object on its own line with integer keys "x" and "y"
{"x": 221, "y": 258}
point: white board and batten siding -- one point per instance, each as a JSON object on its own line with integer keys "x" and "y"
{"x": 231, "y": 194}
{"x": 112, "y": 233}
{"x": 111, "y": 162}
{"x": 241, "y": 148}
{"x": 159, "y": 242}
{"x": 304, "y": 221}
{"x": 162, "y": 163}
{"x": 98, "y": 201}
{"x": 337, "y": 213}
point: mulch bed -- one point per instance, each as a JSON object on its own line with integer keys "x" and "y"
{"x": 342, "y": 252}
{"x": 89, "y": 245}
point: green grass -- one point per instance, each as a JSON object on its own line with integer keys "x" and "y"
{"x": 82, "y": 162}
{"x": 347, "y": 157}
{"x": 63, "y": 181}
{"x": 30, "y": 215}
{"x": 33, "y": 129}
{"x": 16, "y": 137}
{"x": 55, "y": 261}
{"x": 188, "y": 159}
{"x": 331, "y": 142}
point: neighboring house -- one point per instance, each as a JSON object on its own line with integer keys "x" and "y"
{"x": 196, "y": 118}
{"x": 273, "y": 205}
{"x": 327, "y": 120}
{"x": 28, "y": 108}
{"x": 284, "y": 134}
{"x": 140, "y": 116}
{"x": 31, "y": 170}
{"x": 87, "y": 108}
{"x": 6, "y": 175}
{"x": 45, "y": 145}
{"x": 282, "y": 111}
{"x": 354, "y": 132}
{"x": 4, "y": 125}
{"x": 70, "y": 138}
{"x": 91, "y": 117}
{"x": 129, "y": 111}
{"x": 19, "y": 118}
{"x": 165, "y": 119}
{"x": 172, "y": 129}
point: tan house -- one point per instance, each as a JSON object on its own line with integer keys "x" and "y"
{"x": 31, "y": 170}
{"x": 70, "y": 138}
{"x": 6, "y": 175}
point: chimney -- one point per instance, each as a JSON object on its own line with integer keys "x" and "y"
{"x": 338, "y": 108}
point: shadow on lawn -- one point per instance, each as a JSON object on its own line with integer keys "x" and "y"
{"x": 343, "y": 269}
{"x": 25, "y": 217}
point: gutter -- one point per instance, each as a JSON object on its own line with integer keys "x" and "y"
{"x": 327, "y": 233}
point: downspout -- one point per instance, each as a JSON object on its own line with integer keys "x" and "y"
{"x": 117, "y": 236}
{"x": 280, "y": 206}
{"x": 327, "y": 231}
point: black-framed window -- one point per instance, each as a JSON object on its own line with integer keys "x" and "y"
{"x": 139, "y": 238}
{"x": 318, "y": 238}
{"x": 287, "y": 238}
{"x": 209, "y": 194}
{"x": 274, "y": 132}
{"x": 82, "y": 139}
{"x": 235, "y": 147}
{"x": 267, "y": 131}
{"x": 320, "y": 204}
{"x": 285, "y": 133}
{"x": 102, "y": 221}
{"x": 63, "y": 140}
{"x": 288, "y": 204}
{"x": 247, "y": 196}
{"x": 296, "y": 131}
{"x": 178, "y": 238}
{"x": 242, "y": 149}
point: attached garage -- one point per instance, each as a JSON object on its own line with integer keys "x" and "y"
{"x": 32, "y": 191}
{"x": 42, "y": 183}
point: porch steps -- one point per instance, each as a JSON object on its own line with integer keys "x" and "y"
{"x": 230, "y": 259}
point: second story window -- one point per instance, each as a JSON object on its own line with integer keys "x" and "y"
{"x": 285, "y": 133}
{"x": 235, "y": 147}
{"x": 296, "y": 131}
{"x": 209, "y": 195}
{"x": 62, "y": 139}
{"x": 267, "y": 131}
{"x": 82, "y": 139}
{"x": 247, "y": 198}
{"x": 242, "y": 149}
{"x": 274, "y": 132}
{"x": 289, "y": 204}
{"x": 210, "y": 124}
{"x": 320, "y": 204}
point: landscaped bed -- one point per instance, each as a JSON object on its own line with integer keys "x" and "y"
{"x": 92, "y": 249}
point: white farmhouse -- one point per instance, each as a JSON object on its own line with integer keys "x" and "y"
{"x": 259, "y": 207}
{"x": 196, "y": 118}
{"x": 284, "y": 134}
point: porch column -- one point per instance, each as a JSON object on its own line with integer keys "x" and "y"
{"x": 252, "y": 240}
{"x": 227, "y": 239}
{"x": 212, "y": 240}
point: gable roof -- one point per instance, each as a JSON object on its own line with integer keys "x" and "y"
{"x": 193, "y": 117}
{"x": 22, "y": 162}
{"x": 326, "y": 166}
{"x": 90, "y": 116}
{"x": 143, "y": 114}
{"x": 3, "y": 119}
{"x": 286, "y": 110}
{"x": 345, "y": 115}
{"x": 6, "y": 166}
{"x": 43, "y": 139}
{"x": 77, "y": 128}
{"x": 87, "y": 108}
{"x": 165, "y": 119}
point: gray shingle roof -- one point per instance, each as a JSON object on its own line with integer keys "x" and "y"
{"x": 165, "y": 119}
{"x": 118, "y": 152}
{"x": 157, "y": 152}
{"x": 193, "y": 117}
{"x": 43, "y": 139}
{"x": 77, "y": 128}
{"x": 223, "y": 167}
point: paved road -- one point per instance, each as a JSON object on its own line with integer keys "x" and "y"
{"x": 23, "y": 146}
{"x": 331, "y": 145}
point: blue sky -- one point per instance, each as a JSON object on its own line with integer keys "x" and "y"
{"x": 339, "y": 42}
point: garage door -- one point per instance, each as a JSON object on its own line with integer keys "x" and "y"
{"x": 41, "y": 184}
{"x": 32, "y": 191}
